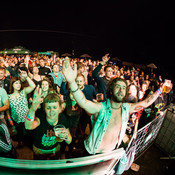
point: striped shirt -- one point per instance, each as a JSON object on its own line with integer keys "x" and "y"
{"x": 5, "y": 143}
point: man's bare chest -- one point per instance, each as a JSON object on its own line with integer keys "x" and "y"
{"x": 114, "y": 125}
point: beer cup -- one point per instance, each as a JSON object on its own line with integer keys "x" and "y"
{"x": 167, "y": 86}
{"x": 58, "y": 129}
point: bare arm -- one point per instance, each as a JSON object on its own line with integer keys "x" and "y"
{"x": 5, "y": 106}
{"x": 31, "y": 86}
{"x": 70, "y": 76}
{"x": 87, "y": 105}
{"x": 32, "y": 122}
{"x": 134, "y": 107}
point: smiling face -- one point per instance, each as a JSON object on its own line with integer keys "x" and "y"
{"x": 119, "y": 91}
{"x": 52, "y": 110}
{"x": 17, "y": 85}
{"x": 56, "y": 68}
{"x": 45, "y": 86}
{"x": 80, "y": 81}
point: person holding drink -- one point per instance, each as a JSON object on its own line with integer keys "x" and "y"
{"x": 110, "y": 117}
{"x": 50, "y": 126}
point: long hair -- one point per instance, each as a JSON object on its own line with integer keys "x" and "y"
{"x": 111, "y": 85}
{"x": 50, "y": 82}
{"x": 12, "y": 81}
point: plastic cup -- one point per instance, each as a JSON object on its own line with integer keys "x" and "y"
{"x": 167, "y": 87}
{"x": 58, "y": 129}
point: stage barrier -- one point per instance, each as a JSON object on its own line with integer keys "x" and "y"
{"x": 145, "y": 136}
{"x": 102, "y": 164}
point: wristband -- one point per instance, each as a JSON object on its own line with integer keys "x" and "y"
{"x": 74, "y": 90}
{"x": 29, "y": 118}
{"x": 159, "y": 92}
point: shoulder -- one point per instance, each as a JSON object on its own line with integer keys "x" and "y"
{"x": 63, "y": 120}
{"x": 90, "y": 87}
{"x": 51, "y": 73}
{"x": 3, "y": 92}
{"x": 7, "y": 80}
{"x": 47, "y": 67}
{"x": 2, "y": 89}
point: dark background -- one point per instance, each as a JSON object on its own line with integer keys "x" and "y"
{"x": 138, "y": 31}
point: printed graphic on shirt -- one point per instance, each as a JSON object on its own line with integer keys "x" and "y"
{"x": 49, "y": 139}
{"x": 160, "y": 106}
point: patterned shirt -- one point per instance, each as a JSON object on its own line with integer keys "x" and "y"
{"x": 18, "y": 107}
{"x": 99, "y": 127}
{"x": 5, "y": 143}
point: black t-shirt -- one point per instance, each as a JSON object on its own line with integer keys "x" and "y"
{"x": 44, "y": 136}
{"x": 161, "y": 102}
{"x": 44, "y": 70}
{"x": 89, "y": 92}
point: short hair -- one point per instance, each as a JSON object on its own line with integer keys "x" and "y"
{"x": 111, "y": 85}
{"x": 51, "y": 98}
{"x": 80, "y": 65}
{"x": 80, "y": 75}
{"x": 107, "y": 67}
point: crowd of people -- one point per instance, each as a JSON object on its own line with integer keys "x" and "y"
{"x": 96, "y": 102}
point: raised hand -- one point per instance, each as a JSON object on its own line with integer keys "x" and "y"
{"x": 105, "y": 59}
{"x": 69, "y": 74}
{"x": 38, "y": 97}
{"x": 23, "y": 74}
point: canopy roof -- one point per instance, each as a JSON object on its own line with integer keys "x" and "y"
{"x": 17, "y": 50}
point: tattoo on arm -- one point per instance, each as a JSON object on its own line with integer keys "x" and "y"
{"x": 138, "y": 108}
{"x": 151, "y": 98}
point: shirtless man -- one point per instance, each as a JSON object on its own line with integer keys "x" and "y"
{"x": 109, "y": 118}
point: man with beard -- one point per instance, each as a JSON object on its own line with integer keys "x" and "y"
{"x": 109, "y": 118}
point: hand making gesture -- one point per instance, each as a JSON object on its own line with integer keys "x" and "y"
{"x": 105, "y": 59}
{"x": 69, "y": 74}
{"x": 38, "y": 97}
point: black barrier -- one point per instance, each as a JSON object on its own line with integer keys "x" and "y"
{"x": 166, "y": 137}
{"x": 145, "y": 136}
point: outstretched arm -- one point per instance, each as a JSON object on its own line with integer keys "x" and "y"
{"x": 98, "y": 68}
{"x": 135, "y": 107}
{"x": 70, "y": 76}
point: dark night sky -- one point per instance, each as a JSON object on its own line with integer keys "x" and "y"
{"x": 138, "y": 31}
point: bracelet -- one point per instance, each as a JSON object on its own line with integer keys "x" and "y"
{"x": 29, "y": 118}
{"x": 74, "y": 90}
{"x": 159, "y": 92}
